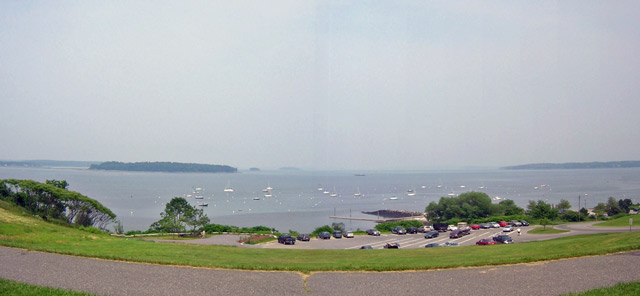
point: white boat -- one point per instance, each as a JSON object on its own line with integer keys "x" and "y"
{"x": 393, "y": 198}
{"x": 228, "y": 188}
{"x": 357, "y": 194}
{"x": 325, "y": 192}
{"x": 269, "y": 188}
{"x": 320, "y": 189}
{"x": 256, "y": 198}
{"x": 199, "y": 197}
{"x": 411, "y": 192}
{"x": 268, "y": 194}
{"x": 333, "y": 194}
{"x": 497, "y": 198}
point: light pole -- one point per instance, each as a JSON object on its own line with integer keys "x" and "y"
{"x": 578, "y": 208}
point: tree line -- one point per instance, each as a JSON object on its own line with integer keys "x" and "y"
{"x": 52, "y": 200}
{"x": 172, "y": 167}
{"x": 477, "y": 206}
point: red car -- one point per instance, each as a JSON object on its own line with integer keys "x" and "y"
{"x": 475, "y": 226}
{"x": 503, "y": 223}
{"x": 486, "y": 241}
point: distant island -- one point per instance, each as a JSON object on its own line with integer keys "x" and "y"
{"x": 575, "y": 165}
{"x": 47, "y": 163}
{"x": 170, "y": 167}
{"x": 289, "y": 169}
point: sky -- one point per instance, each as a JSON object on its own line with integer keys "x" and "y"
{"x": 341, "y": 85}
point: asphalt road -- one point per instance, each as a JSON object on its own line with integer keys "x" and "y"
{"x": 122, "y": 278}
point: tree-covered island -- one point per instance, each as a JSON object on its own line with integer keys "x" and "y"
{"x": 172, "y": 167}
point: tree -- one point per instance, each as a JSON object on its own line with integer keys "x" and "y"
{"x": 177, "y": 214}
{"x": 563, "y": 205}
{"x": 509, "y": 208}
{"x": 612, "y": 207}
{"x": 541, "y": 209}
{"x": 625, "y": 205}
{"x": 544, "y": 222}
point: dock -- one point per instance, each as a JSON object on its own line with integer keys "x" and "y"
{"x": 374, "y": 219}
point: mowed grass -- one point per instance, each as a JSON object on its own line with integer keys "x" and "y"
{"x": 548, "y": 230}
{"x": 622, "y": 289}
{"x": 8, "y": 287}
{"x": 23, "y": 231}
{"x": 620, "y": 222}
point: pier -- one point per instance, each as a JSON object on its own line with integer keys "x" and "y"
{"x": 378, "y": 220}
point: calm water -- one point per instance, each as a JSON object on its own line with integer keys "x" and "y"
{"x": 297, "y": 204}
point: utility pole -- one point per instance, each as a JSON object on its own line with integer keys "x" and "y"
{"x": 578, "y": 208}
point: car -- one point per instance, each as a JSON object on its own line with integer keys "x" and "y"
{"x": 424, "y": 229}
{"x": 524, "y": 223}
{"x": 392, "y": 246}
{"x": 367, "y": 247}
{"x": 494, "y": 225}
{"x": 442, "y": 227}
{"x": 507, "y": 228}
{"x": 452, "y": 227}
{"x": 486, "y": 241}
{"x": 503, "y": 223}
{"x": 324, "y": 235}
{"x": 485, "y": 225}
{"x": 432, "y": 245}
{"x": 337, "y": 234}
{"x": 286, "y": 239}
{"x": 303, "y": 237}
{"x": 398, "y": 230}
{"x": 455, "y": 234}
{"x": 349, "y": 234}
{"x": 451, "y": 244}
{"x": 465, "y": 231}
{"x": 516, "y": 223}
{"x": 503, "y": 239}
{"x": 373, "y": 232}
{"x": 431, "y": 234}
{"x": 412, "y": 230}
{"x": 475, "y": 226}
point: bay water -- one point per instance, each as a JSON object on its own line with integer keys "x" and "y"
{"x": 302, "y": 200}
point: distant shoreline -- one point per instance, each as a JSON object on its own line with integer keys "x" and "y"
{"x": 167, "y": 167}
{"x": 575, "y": 165}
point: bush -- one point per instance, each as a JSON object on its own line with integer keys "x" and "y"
{"x": 387, "y": 226}
{"x": 325, "y": 228}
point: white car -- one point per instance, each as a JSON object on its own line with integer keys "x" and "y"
{"x": 349, "y": 234}
{"x": 452, "y": 228}
{"x": 507, "y": 228}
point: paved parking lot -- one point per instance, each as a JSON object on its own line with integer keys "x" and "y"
{"x": 406, "y": 241}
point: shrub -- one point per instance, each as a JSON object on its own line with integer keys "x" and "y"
{"x": 387, "y": 226}
{"x": 325, "y": 228}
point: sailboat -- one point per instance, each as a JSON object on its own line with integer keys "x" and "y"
{"x": 411, "y": 192}
{"x": 228, "y": 188}
{"x": 357, "y": 194}
{"x": 333, "y": 194}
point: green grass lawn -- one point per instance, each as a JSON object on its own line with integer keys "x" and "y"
{"x": 623, "y": 289}
{"x": 621, "y": 222}
{"x": 8, "y": 287}
{"x": 24, "y": 231}
{"x": 548, "y": 230}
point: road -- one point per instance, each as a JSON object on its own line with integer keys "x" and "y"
{"x": 123, "y": 278}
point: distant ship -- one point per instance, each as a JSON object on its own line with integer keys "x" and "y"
{"x": 359, "y": 175}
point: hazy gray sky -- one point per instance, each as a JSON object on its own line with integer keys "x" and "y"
{"x": 326, "y": 84}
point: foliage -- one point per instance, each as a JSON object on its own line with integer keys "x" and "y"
{"x": 387, "y": 226}
{"x": 325, "y": 228}
{"x": 219, "y": 228}
{"x": 177, "y": 214}
{"x": 622, "y": 221}
{"x": 544, "y": 222}
{"x": 60, "y": 184}
{"x": 621, "y": 289}
{"x": 572, "y": 216}
{"x": 51, "y": 201}
{"x": 163, "y": 167}
{"x": 9, "y": 287}
{"x": 338, "y": 226}
{"x": 625, "y": 205}
{"x": 256, "y": 239}
{"x": 563, "y": 205}
{"x": 613, "y": 207}
{"x": 469, "y": 205}
{"x": 541, "y": 209}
